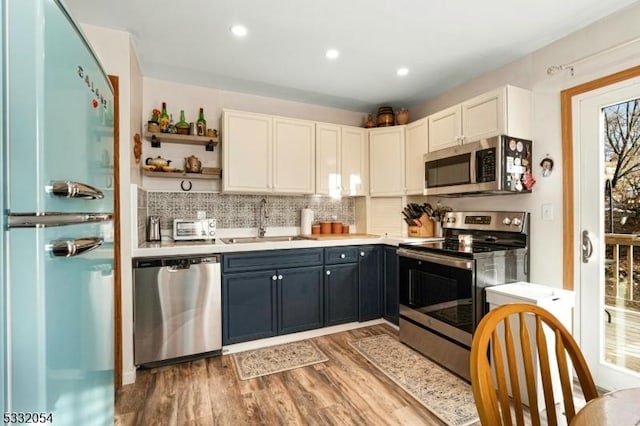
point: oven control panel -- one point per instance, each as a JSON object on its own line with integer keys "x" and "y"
{"x": 488, "y": 221}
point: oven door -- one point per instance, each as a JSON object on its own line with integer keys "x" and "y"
{"x": 436, "y": 292}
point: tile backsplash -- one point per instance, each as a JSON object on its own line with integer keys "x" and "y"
{"x": 239, "y": 211}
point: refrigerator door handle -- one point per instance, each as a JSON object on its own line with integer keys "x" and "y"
{"x": 70, "y": 248}
{"x": 43, "y": 220}
{"x": 68, "y": 189}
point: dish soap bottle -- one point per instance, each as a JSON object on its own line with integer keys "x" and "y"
{"x": 201, "y": 124}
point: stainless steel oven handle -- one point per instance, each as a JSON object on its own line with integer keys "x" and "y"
{"x": 436, "y": 258}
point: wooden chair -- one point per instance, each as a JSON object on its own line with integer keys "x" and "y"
{"x": 494, "y": 340}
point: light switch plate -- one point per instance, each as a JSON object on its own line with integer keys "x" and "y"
{"x": 547, "y": 212}
{"x": 202, "y": 214}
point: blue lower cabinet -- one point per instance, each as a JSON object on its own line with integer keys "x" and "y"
{"x": 391, "y": 298}
{"x": 340, "y": 293}
{"x": 300, "y": 299}
{"x": 370, "y": 285}
{"x": 249, "y": 306}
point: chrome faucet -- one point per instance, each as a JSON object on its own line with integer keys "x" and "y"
{"x": 262, "y": 227}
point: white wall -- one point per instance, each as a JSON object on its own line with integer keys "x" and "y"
{"x": 114, "y": 51}
{"x": 531, "y": 72}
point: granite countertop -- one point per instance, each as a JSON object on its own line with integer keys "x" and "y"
{"x": 171, "y": 248}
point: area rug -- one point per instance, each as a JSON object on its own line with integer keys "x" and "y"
{"x": 444, "y": 394}
{"x": 274, "y": 359}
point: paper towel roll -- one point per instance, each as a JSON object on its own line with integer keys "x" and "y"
{"x": 306, "y": 219}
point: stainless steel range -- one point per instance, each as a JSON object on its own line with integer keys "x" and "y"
{"x": 442, "y": 284}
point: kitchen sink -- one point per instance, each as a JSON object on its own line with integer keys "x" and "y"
{"x": 240, "y": 240}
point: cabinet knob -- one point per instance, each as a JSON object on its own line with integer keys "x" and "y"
{"x": 328, "y": 272}
{"x": 274, "y": 278}
{"x": 280, "y": 277}
{"x": 342, "y": 256}
{"x": 361, "y": 254}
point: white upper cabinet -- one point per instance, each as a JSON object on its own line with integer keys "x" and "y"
{"x": 386, "y": 161}
{"x": 445, "y": 127}
{"x": 267, "y": 154}
{"x": 327, "y": 161}
{"x": 353, "y": 161}
{"x": 506, "y": 110}
{"x": 341, "y": 160}
{"x": 246, "y": 156}
{"x": 416, "y": 146}
{"x": 293, "y": 156}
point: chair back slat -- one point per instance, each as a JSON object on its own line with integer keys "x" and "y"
{"x": 565, "y": 381}
{"x": 501, "y": 385}
{"x": 545, "y": 373}
{"x": 513, "y": 373}
{"x": 527, "y": 360}
{"x": 489, "y": 376}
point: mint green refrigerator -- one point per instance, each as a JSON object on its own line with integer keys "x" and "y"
{"x": 57, "y": 203}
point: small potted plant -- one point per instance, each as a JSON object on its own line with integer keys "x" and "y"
{"x": 153, "y": 125}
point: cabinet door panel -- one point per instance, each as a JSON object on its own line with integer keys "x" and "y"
{"x": 246, "y": 152}
{"x": 386, "y": 161}
{"x": 249, "y": 306}
{"x": 268, "y": 259}
{"x": 369, "y": 283}
{"x": 353, "y": 149}
{"x": 483, "y": 116}
{"x": 340, "y": 293}
{"x": 300, "y": 299}
{"x": 294, "y": 156}
{"x": 391, "y": 300}
{"x": 444, "y": 128}
{"x": 345, "y": 254}
{"x": 327, "y": 161}
{"x": 416, "y": 147}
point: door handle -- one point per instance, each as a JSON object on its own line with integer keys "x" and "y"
{"x": 70, "y": 248}
{"x": 587, "y": 247}
{"x": 68, "y": 189}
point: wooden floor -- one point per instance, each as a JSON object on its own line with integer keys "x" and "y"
{"x": 346, "y": 390}
{"x": 622, "y": 338}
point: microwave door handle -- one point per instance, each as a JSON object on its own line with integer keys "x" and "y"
{"x": 472, "y": 167}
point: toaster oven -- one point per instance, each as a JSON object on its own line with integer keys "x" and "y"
{"x": 194, "y": 229}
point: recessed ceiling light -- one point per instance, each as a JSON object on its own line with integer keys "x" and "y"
{"x": 402, "y": 71}
{"x": 239, "y": 30}
{"x": 332, "y": 54}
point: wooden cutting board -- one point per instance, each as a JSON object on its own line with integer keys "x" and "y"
{"x": 338, "y": 236}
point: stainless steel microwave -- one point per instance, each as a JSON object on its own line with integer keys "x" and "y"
{"x": 497, "y": 165}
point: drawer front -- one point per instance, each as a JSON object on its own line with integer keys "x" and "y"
{"x": 271, "y": 259}
{"x": 336, "y": 255}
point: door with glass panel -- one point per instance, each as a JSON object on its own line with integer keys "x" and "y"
{"x": 607, "y": 139}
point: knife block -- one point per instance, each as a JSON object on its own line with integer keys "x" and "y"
{"x": 426, "y": 230}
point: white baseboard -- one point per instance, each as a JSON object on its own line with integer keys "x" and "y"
{"x": 128, "y": 377}
{"x": 294, "y": 337}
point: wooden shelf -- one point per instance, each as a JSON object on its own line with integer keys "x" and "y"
{"x": 181, "y": 175}
{"x": 157, "y": 138}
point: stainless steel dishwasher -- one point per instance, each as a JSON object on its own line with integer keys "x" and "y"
{"x": 176, "y": 308}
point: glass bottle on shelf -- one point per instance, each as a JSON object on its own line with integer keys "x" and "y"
{"x": 172, "y": 127}
{"x": 201, "y": 124}
{"x": 164, "y": 118}
{"x": 182, "y": 127}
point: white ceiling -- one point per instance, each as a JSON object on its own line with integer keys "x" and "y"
{"x": 443, "y": 43}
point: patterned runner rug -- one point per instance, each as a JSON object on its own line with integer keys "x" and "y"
{"x": 274, "y": 359}
{"x": 444, "y": 394}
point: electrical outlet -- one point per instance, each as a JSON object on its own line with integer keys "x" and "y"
{"x": 202, "y": 214}
{"x": 547, "y": 212}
